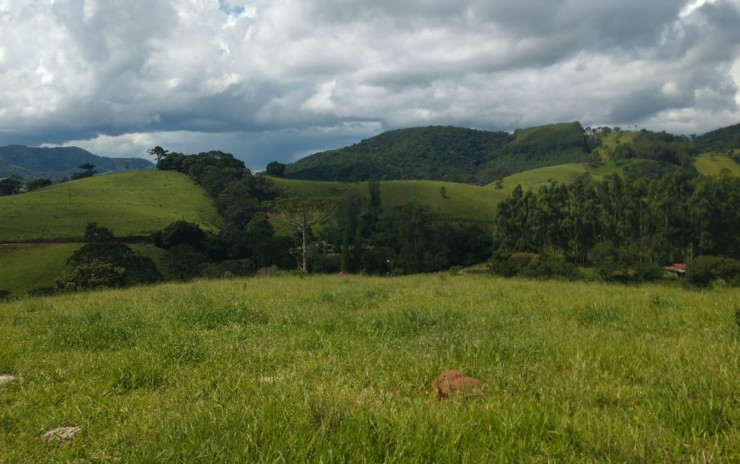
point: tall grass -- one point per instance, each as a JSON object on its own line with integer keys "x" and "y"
{"x": 338, "y": 369}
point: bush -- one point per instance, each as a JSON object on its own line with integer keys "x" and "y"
{"x": 704, "y": 270}
{"x": 183, "y": 262}
{"x": 137, "y": 269}
{"x": 90, "y": 276}
{"x": 325, "y": 264}
{"x": 229, "y": 268}
{"x": 532, "y": 265}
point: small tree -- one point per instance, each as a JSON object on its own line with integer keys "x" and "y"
{"x": 37, "y": 183}
{"x": 301, "y": 215}
{"x": 179, "y": 233}
{"x": 92, "y": 275}
{"x": 93, "y": 233}
{"x": 275, "y": 169}
{"x": 10, "y": 185}
{"x": 88, "y": 170}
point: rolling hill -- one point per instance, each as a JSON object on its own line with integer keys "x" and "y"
{"x": 449, "y": 154}
{"x": 462, "y": 202}
{"x": 130, "y": 204}
{"x": 61, "y": 162}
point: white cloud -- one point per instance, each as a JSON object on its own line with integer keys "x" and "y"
{"x": 109, "y": 74}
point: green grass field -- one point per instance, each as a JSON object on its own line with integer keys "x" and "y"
{"x": 564, "y": 173}
{"x": 713, "y": 164}
{"x": 338, "y": 369}
{"x": 131, "y": 203}
{"x": 32, "y": 266}
{"x": 29, "y": 267}
{"x": 461, "y": 201}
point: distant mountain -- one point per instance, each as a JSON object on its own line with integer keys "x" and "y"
{"x": 61, "y": 162}
{"x": 447, "y": 153}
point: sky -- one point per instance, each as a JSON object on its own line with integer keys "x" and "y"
{"x": 280, "y": 79}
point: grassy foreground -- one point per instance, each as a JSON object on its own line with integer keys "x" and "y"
{"x": 337, "y": 369}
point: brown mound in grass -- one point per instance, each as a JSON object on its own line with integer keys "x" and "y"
{"x": 451, "y": 382}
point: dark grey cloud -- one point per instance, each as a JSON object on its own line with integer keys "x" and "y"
{"x": 272, "y": 79}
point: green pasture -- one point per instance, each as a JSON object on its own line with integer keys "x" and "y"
{"x": 461, "y": 201}
{"x": 130, "y": 203}
{"x": 714, "y": 164}
{"x": 31, "y": 266}
{"x": 27, "y": 267}
{"x": 534, "y": 179}
{"x": 338, "y": 369}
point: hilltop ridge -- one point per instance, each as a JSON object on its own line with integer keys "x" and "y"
{"x": 448, "y": 153}
{"x": 59, "y": 162}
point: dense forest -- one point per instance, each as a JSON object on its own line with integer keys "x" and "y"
{"x": 660, "y": 221}
{"x": 447, "y": 153}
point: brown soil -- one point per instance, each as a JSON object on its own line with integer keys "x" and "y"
{"x": 451, "y": 382}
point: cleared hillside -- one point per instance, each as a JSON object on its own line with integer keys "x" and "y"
{"x": 130, "y": 204}
{"x": 463, "y": 202}
{"x": 713, "y": 164}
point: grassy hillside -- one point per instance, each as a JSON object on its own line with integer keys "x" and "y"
{"x": 28, "y": 267}
{"x": 714, "y": 164}
{"x": 33, "y": 266}
{"x": 461, "y": 201}
{"x": 131, "y": 203}
{"x": 338, "y": 369}
{"x": 564, "y": 174}
{"x": 611, "y": 141}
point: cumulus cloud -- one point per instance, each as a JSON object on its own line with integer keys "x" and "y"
{"x": 286, "y": 76}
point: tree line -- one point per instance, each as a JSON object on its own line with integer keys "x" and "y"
{"x": 353, "y": 234}
{"x": 622, "y": 225}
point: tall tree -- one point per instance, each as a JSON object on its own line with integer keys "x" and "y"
{"x": 301, "y": 215}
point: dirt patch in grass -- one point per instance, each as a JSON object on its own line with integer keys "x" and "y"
{"x": 61, "y": 434}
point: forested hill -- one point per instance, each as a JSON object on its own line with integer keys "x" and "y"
{"x": 447, "y": 153}
{"x": 726, "y": 138}
{"x": 56, "y": 163}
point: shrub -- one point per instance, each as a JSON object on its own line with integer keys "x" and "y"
{"x": 137, "y": 269}
{"x": 326, "y": 264}
{"x": 92, "y": 275}
{"x": 532, "y": 265}
{"x": 705, "y": 269}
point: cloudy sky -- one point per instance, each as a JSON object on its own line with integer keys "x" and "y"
{"x": 278, "y": 79}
